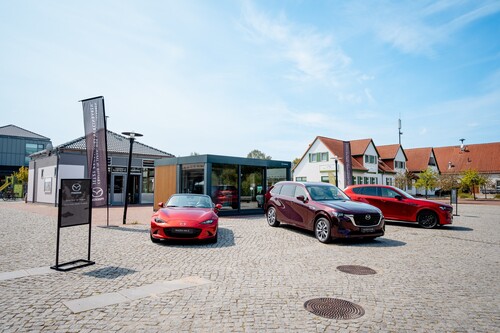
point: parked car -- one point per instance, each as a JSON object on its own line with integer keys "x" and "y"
{"x": 398, "y": 205}
{"x": 186, "y": 216}
{"x": 322, "y": 208}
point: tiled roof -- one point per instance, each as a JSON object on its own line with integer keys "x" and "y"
{"x": 484, "y": 158}
{"x": 358, "y": 147}
{"x": 13, "y": 130}
{"x": 383, "y": 167}
{"x": 337, "y": 147}
{"x": 116, "y": 144}
{"x": 418, "y": 159}
{"x": 389, "y": 152}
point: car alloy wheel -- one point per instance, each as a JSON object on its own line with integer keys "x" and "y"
{"x": 322, "y": 230}
{"x": 428, "y": 220}
{"x": 271, "y": 217}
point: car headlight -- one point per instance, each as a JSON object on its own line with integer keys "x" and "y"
{"x": 446, "y": 208}
{"x": 338, "y": 214}
{"x": 208, "y": 222}
{"x": 159, "y": 220}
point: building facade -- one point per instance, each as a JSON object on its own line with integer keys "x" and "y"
{"x": 16, "y": 145}
{"x": 238, "y": 184}
{"x": 69, "y": 160}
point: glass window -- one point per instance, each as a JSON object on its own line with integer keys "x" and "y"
{"x": 148, "y": 180}
{"x": 192, "y": 178}
{"x": 366, "y": 180}
{"x": 275, "y": 175}
{"x": 324, "y": 157}
{"x": 301, "y": 179}
{"x": 288, "y": 190}
{"x": 276, "y": 189}
{"x": 388, "y": 193}
{"x": 372, "y": 190}
{"x": 299, "y": 190}
{"x": 225, "y": 186}
{"x": 252, "y": 187}
{"x": 325, "y": 179}
{"x": 360, "y": 180}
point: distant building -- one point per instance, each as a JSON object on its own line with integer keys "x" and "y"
{"x": 483, "y": 158}
{"x": 16, "y": 145}
{"x": 69, "y": 160}
{"x": 324, "y": 161}
{"x": 419, "y": 160}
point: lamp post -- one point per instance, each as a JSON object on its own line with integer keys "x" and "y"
{"x": 131, "y": 136}
{"x": 336, "y": 171}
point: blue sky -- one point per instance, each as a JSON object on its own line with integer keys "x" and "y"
{"x": 226, "y": 77}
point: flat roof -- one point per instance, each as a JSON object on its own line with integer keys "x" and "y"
{"x": 223, "y": 160}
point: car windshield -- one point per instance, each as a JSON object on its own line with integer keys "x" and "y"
{"x": 324, "y": 193}
{"x": 198, "y": 201}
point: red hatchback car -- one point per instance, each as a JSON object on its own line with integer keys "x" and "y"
{"x": 186, "y": 216}
{"x": 323, "y": 208}
{"x": 398, "y": 205}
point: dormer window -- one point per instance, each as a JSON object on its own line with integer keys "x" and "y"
{"x": 370, "y": 159}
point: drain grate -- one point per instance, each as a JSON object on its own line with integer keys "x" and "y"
{"x": 358, "y": 270}
{"x": 334, "y": 308}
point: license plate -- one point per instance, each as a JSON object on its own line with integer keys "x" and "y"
{"x": 182, "y": 231}
{"x": 365, "y": 230}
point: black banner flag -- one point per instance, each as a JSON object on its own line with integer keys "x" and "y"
{"x": 94, "y": 121}
{"x": 347, "y": 164}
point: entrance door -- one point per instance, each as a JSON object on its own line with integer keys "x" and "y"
{"x": 118, "y": 194}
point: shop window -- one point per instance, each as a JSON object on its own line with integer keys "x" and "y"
{"x": 148, "y": 180}
{"x": 225, "y": 186}
{"x": 252, "y": 187}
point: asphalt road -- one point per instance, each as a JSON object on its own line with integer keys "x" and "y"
{"x": 255, "y": 279}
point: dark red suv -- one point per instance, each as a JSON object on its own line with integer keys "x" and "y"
{"x": 323, "y": 208}
{"x": 399, "y": 205}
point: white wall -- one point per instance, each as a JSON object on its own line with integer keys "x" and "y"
{"x": 314, "y": 171}
{"x": 372, "y": 167}
{"x": 46, "y": 184}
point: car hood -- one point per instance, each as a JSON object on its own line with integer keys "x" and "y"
{"x": 351, "y": 207}
{"x": 187, "y": 214}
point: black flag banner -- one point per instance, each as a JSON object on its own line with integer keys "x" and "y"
{"x": 347, "y": 164}
{"x": 94, "y": 121}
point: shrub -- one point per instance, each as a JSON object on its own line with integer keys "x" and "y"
{"x": 464, "y": 195}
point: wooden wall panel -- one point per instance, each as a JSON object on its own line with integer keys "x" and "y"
{"x": 165, "y": 183}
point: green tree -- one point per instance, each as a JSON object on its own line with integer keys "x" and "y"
{"x": 22, "y": 175}
{"x": 258, "y": 155}
{"x": 427, "y": 179}
{"x": 295, "y": 162}
{"x": 470, "y": 179}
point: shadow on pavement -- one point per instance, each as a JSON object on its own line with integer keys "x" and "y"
{"x": 225, "y": 239}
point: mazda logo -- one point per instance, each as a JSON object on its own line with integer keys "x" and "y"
{"x": 97, "y": 192}
{"x": 76, "y": 187}
{"x": 368, "y": 217}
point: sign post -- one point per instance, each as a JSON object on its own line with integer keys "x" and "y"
{"x": 75, "y": 208}
{"x": 454, "y": 200}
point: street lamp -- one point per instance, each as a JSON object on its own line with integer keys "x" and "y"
{"x": 131, "y": 136}
{"x": 336, "y": 170}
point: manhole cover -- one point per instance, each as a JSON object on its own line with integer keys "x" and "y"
{"x": 358, "y": 270}
{"x": 334, "y": 308}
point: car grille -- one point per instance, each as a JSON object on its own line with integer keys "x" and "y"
{"x": 365, "y": 220}
{"x": 182, "y": 232}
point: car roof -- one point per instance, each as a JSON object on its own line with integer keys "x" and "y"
{"x": 303, "y": 183}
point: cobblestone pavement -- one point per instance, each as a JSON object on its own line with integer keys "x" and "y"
{"x": 442, "y": 280}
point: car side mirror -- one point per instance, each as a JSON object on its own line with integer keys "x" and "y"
{"x": 398, "y": 197}
{"x": 217, "y": 207}
{"x": 302, "y": 198}
{"x": 161, "y": 204}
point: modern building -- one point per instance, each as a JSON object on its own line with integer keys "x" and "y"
{"x": 16, "y": 145}
{"x": 69, "y": 160}
{"x": 238, "y": 184}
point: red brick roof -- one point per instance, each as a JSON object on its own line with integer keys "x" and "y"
{"x": 389, "y": 152}
{"x": 484, "y": 158}
{"x": 418, "y": 159}
{"x": 337, "y": 147}
{"x": 358, "y": 147}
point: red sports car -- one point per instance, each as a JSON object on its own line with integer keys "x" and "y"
{"x": 186, "y": 216}
{"x": 398, "y": 205}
